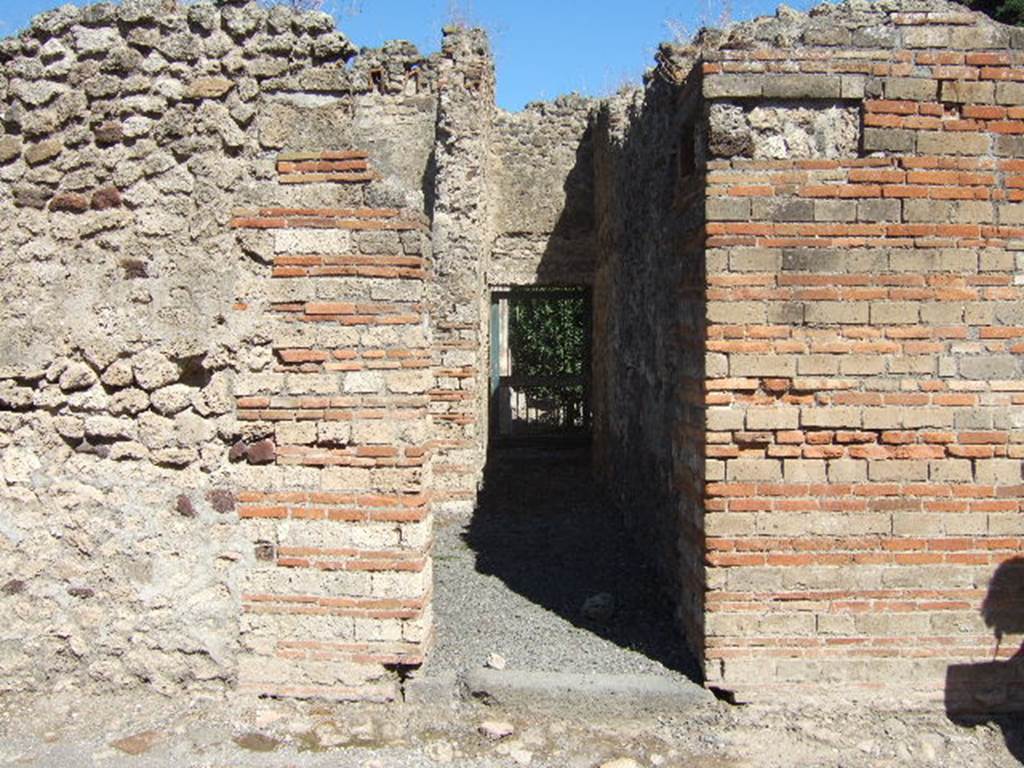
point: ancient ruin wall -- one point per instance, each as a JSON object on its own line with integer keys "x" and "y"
{"x": 649, "y": 330}
{"x": 160, "y": 363}
{"x": 462, "y": 245}
{"x": 864, "y": 315}
{"x": 245, "y": 282}
{"x": 543, "y": 172}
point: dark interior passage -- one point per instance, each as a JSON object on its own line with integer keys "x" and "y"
{"x": 545, "y": 575}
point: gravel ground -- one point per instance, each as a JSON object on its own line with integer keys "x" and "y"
{"x": 513, "y": 579}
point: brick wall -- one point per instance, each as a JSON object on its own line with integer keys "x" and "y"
{"x": 131, "y": 132}
{"x": 335, "y": 498}
{"x": 462, "y": 244}
{"x": 864, "y": 305}
{"x": 221, "y": 451}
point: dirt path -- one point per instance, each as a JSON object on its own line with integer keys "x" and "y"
{"x": 144, "y": 730}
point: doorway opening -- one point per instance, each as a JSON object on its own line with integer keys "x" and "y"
{"x": 540, "y": 344}
{"x": 544, "y": 576}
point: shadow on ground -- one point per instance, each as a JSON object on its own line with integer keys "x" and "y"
{"x": 542, "y": 528}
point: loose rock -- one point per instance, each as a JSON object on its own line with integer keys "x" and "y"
{"x": 496, "y": 729}
{"x": 138, "y": 744}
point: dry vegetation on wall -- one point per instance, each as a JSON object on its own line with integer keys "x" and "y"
{"x": 714, "y": 14}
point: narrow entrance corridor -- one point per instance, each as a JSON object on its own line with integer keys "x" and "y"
{"x": 545, "y": 575}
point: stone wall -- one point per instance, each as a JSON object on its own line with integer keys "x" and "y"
{"x": 335, "y": 504}
{"x": 864, "y": 371}
{"x": 544, "y": 224}
{"x": 649, "y": 330}
{"x": 462, "y": 246}
{"x": 134, "y": 314}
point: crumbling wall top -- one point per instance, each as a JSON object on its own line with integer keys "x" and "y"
{"x": 283, "y": 49}
{"x": 851, "y": 24}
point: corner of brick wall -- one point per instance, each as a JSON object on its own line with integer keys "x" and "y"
{"x": 864, "y": 398}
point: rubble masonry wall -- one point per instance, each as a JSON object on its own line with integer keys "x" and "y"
{"x": 165, "y": 170}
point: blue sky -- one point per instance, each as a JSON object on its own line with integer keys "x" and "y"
{"x": 543, "y": 48}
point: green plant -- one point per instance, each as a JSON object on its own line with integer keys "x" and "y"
{"x": 547, "y": 341}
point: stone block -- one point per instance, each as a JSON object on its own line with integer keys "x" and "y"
{"x": 208, "y": 88}
{"x": 785, "y": 312}
{"x": 950, "y": 471}
{"x": 1009, "y": 146}
{"x": 1009, "y": 93}
{"x": 895, "y": 312}
{"x": 926, "y": 37}
{"x": 782, "y": 209}
{"x": 724, "y": 419}
{"x": 42, "y": 152}
{"x": 409, "y": 382}
{"x": 727, "y": 209}
{"x": 754, "y": 260}
{"x": 762, "y": 365}
{"x": 897, "y": 470}
{"x": 880, "y": 36}
{"x": 847, "y": 471}
{"x": 818, "y": 365}
{"x": 835, "y": 210}
{"x": 295, "y": 433}
{"x": 975, "y": 212}
{"x": 952, "y": 143}
{"x": 889, "y": 140}
{"x": 911, "y": 88}
{"x": 804, "y": 471}
{"x": 968, "y": 91}
{"x": 312, "y": 241}
{"x": 836, "y": 312}
{"x": 776, "y": 418}
{"x": 878, "y": 210}
{"x": 827, "y": 35}
{"x": 753, "y": 470}
{"x": 979, "y": 37}
{"x": 732, "y": 86}
{"x": 1011, "y": 213}
{"x": 362, "y": 382}
{"x": 998, "y": 471}
{"x": 927, "y": 211}
{"x": 731, "y": 312}
{"x": 830, "y": 416}
{"x": 862, "y": 365}
{"x": 989, "y": 367}
{"x": 802, "y": 87}
{"x": 920, "y": 417}
{"x": 853, "y": 86}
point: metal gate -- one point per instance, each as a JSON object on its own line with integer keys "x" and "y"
{"x": 540, "y": 364}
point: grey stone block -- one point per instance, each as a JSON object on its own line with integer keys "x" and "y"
{"x": 802, "y": 87}
{"x": 888, "y": 140}
{"x": 913, "y": 88}
{"x": 731, "y": 86}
